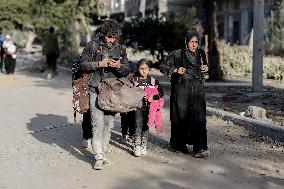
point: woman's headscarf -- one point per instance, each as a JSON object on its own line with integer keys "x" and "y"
{"x": 189, "y": 35}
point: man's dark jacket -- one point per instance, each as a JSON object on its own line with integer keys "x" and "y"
{"x": 93, "y": 53}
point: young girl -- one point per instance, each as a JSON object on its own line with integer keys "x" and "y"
{"x": 144, "y": 81}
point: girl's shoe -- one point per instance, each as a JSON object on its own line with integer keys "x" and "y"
{"x": 99, "y": 164}
{"x": 107, "y": 162}
{"x": 137, "y": 151}
{"x": 143, "y": 150}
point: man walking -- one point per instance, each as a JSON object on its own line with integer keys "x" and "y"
{"x": 51, "y": 50}
{"x": 104, "y": 58}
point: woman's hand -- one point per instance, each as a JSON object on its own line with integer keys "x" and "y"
{"x": 204, "y": 68}
{"x": 180, "y": 70}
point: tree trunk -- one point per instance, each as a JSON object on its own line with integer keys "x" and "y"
{"x": 77, "y": 34}
{"x": 215, "y": 72}
{"x": 31, "y": 38}
{"x": 85, "y": 25}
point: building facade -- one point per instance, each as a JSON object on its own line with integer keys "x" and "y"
{"x": 234, "y": 17}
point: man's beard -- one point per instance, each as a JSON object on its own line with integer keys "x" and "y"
{"x": 109, "y": 44}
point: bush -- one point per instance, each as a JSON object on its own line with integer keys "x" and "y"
{"x": 237, "y": 60}
{"x": 159, "y": 36}
{"x": 66, "y": 58}
{"x": 274, "y": 68}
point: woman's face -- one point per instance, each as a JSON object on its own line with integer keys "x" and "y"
{"x": 143, "y": 70}
{"x": 193, "y": 44}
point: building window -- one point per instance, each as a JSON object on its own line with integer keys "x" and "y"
{"x": 219, "y": 5}
{"x": 236, "y": 5}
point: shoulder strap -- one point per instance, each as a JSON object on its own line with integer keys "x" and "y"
{"x": 96, "y": 46}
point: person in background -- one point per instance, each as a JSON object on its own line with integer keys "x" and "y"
{"x": 51, "y": 50}
{"x": 10, "y": 51}
{"x": 2, "y": 39}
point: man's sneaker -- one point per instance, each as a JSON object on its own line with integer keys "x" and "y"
{"x": 137, "y": 151}
{"x": 87, "y": 143}
{"x": 143, "y": 150}
{"x": 202, "y": 154}
{"x": 99, "y": 164}
{"x": 107, "y": 162}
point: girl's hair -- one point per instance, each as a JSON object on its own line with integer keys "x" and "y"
{"x": 139, "y": 63}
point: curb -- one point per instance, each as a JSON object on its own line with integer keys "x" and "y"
{"x": 263, "y": 128}
{"x": 215, "y": 84}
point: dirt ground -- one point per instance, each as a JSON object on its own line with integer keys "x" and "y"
{"x": 236, "y": 99}
{"x": 234, "y": 95}
{"x": 41, "y": 148}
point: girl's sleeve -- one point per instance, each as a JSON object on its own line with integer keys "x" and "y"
{"x": 160, "y": 90}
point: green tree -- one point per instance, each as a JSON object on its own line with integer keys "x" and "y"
{"x": 71, "y": 14}
{"x": 159, "y": 36}
{"x": 68, "y": 17}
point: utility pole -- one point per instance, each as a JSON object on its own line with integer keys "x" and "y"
{"x": 257, "y": 70}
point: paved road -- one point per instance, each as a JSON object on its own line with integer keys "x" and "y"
{"x": 40, "y": 148}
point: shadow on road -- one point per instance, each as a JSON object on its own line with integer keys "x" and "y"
{"x": 56, "y": 130}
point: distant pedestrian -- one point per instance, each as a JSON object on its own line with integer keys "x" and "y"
{"x": 10, "y": 51}
{"x": 51, "y": 50}
{"x": 2, "y": 39}
{"x": 188, "y": 107}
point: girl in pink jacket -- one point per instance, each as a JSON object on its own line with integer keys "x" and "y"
{"x": 150, "y": 113}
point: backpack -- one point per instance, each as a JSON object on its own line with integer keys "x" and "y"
{"x": 80, "y": 85}
{"x": 119, "y": 95}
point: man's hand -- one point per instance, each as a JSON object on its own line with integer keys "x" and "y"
{"x": 204, "y": 68}
{"x": 114, "y": 63}
{"x": 180, "y": 70}
{"x": 104, "y": 63}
